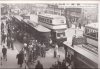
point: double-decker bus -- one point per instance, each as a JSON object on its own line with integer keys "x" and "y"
{"x": 91, "y": 34}
{"x": 57, "y": 25}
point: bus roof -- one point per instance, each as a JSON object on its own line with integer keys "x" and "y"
{"x": 18, "y": 17}
{"x": 38, "y": 27}
{"x": 52, "y": 16}
{"x": 41, "y": 28}
{"x": 92, "y": 25}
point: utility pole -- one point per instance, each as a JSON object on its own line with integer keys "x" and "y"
{"x": 0, "y": 24}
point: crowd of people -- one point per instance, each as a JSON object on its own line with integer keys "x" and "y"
{"x": 30, "y": 52}
{"x": 35, "y": 49}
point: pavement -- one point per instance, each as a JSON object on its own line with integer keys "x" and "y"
{"x": 11, "y": 59}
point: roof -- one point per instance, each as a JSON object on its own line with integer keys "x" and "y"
{"x": 42, "y": 28}
{"x": 93, "y": 25}
{"x": 18, "y": 17}
{"x": 38, "y": 27}
{"x": 52, "y": 16}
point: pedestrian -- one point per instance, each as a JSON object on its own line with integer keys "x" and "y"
{"x": 34, "y": 51}
{"x": 25, "y": 59}
{"x": 39, "y": 65}
{"x": 80, "y": 25}
{"x": 25, "y": 46}
{"x": 68, "y": 60}
{"x": 44, "y": 50}
{"x": 64, "y": 65}
{"x": 12, "y": 40}
{"x": 39, "y": 49}
{"x": 3, "y": 38}
{"x": 4, "y": 51}
{"x": 59, "y": 64}
{"x": 8, "y": 41}
{"x": 20, "y": 58}
{"x": 73, "y": 40}
{"x": 54, "y": 54}
{"x": 25, "y": 52}
{"x": 56, "y": 50}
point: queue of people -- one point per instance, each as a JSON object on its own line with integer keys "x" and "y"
{"x": 33, "y": 50}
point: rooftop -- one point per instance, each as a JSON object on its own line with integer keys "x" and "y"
{"x": 18, "y": 17}
{"x": 52, "y": 16}
{"x": 38, "y": 27}
{"x": 42, "y": 28}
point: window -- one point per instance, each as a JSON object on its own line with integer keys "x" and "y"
{"x": 50, "y": 21}
{"x": 62, "y": 34}
{"x": 91, "y": 33}
{"x": 40, "y": 19}
{"x": 62, "y": 21}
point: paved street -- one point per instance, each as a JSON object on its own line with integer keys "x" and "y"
{"x": 11, "y": 59}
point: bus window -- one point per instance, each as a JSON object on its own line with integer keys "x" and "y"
{"x": 47, "y": 20}
{"x": 50, "y": 21}
{"x": 92, "y": 34}
{"x": 62, "y": 21}
{"x": 62, "y": 34}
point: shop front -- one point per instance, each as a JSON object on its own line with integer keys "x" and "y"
{"x": 70, "y": 55}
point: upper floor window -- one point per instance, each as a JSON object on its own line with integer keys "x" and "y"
{"x": 50, "y": 21}
{"x": 62, "y": 21}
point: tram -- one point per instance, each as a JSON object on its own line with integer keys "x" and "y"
{"x": 28, "y": 30}
{"x": 91, "y": 34}
{"x": 57, "y": 25}
{"x": 39, "y": 32}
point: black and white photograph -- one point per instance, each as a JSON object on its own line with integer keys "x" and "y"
{"x": 49, "y": 35}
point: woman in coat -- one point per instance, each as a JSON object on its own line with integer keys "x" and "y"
{"x": 20, "y": 57}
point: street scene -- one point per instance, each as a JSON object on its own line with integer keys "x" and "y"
{"x": 49, "y": 36}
